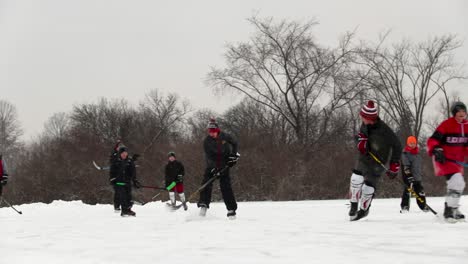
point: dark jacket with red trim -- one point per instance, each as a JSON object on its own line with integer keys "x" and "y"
{"x": 452, "y": 137}
{"x": 218, "y": 150}
{"x": 383, "y": 143}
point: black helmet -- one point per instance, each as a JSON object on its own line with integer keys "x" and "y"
{"x": 456, "y": 107}
{"x": 171, "y": 154}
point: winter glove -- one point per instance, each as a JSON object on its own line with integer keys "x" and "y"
{"x": 4, "y": 179}
{"x": 136, "y": 184}
{"x": 393, "y": 171}
{"x": 180, "y": 178}
{"x": 409, "y": 179}
{"x": 232, "y": 160}
{"x": 362, "y": 143}
{"x": 215, "y": 171}
{"x": 438, "y": 153}
{"x": 407, "y": 170}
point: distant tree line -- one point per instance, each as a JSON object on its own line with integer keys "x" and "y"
{"x": 295, "y": 126}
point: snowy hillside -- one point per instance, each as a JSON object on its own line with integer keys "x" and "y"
{"x": 264, "y": 232}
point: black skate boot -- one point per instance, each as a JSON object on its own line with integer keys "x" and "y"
{"x": 127, "y": 212}
{"x": 231, "y": 214}
{"x": 360, "y": 214}
{"x": 353, "y": 210}
{"x": 404, "y": 209}
{"x": 184, "y": 204}
{"x": 453, "y": 215}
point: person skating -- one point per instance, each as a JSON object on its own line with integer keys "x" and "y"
{"x": 221, "y": 153}
{"x": 3, "y": 174}
{"x": 447, "y": 146}
{"x": 412, "y": 176}
{"x": 376, "y": 143}
{"x": 174, "y": 172}
{"x": 122, "y": 176}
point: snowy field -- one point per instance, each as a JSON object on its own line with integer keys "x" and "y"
{"x": 264, "y": 232}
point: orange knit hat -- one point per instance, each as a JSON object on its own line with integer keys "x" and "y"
{"x": 411, "y": 139}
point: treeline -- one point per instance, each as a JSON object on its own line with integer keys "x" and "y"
{"x": 295, "y": 126}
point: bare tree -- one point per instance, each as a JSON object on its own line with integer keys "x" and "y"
{"x": 284, "y": 69}
{"x": 57, "y": 125}
{"x": 406, "y": 77}
{"x": 165, "y": 113}
{"x": 10, "y": 130}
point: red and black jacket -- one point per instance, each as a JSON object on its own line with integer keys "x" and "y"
{"x": 452, "y": 137}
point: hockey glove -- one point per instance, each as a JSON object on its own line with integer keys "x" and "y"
{"x": 409, "y": 179}
{"x": 232, "y": 160}
{"x": 4, "y": 179}
{"x": 393, "y": 171}
{"x": 180, "y": 178}
{"x": 362, "y": 143}
{"x": 438, "y": 153}
{"x": 136, "y": 184}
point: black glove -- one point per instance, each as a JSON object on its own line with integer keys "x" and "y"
{"x": 214, "y": 171}
{"x": 180, "y": 178}
{"x": 232, "y": 160}
{"x": 4, "y": 179}
{"x": 409, "y": 179}
{"x": 137, "y": 184}
{"x": 438, "y": 153}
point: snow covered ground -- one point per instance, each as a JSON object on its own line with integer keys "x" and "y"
{"x": 264, "y": 232}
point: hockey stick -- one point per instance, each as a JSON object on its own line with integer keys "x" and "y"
{"x": 409, "y": 189}
{"x": 217, "y": 175}
{"x": 99, "y": 167}
{"x": 106, "y": 167}
{"x": 153, "y": 187}
{"x": 12, "y": 207}
{"x": 458, "y": 162}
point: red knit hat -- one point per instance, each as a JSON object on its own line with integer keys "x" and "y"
{"x": 369, "y": 111}
{"x": 213, "y": 126}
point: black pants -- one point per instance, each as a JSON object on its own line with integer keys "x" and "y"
{"x": 116, "y": 198}
{"x": 418, "y": 188}
{"x": 226, "y": 190}
{"x": 124, "y": 196}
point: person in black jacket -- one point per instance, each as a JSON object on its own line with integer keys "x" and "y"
{"x": 122, "y": 175}
{"x": 377, "y": 144}
{"x": 220, "y": 154}
{"x": 174, "y": 173}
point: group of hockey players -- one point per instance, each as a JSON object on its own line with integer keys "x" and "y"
{"x": 378, "y": 145}
{"x": 221, "y": 154}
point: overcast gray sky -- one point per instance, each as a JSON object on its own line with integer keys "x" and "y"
{"x": 57, "y": 53}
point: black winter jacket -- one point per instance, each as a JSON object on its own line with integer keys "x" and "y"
{"x": 383, "y": 143}
{"x": 123, "y": 171}
{"x": 218, "y": 150}
{"x": 172, "y": 170}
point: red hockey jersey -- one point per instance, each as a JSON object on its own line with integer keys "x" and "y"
{"x": 452, "y": 137}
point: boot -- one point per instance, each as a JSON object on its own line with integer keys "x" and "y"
{"x": 231, "y": 214}
{"x": 404, "y": 209}
{"x": 128, "y": 212}
{"x": 452, "y": 214}
{"x": 353, "y": 209}
{"x": 458, "y": 215}
{"x": 360, "y": 214}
